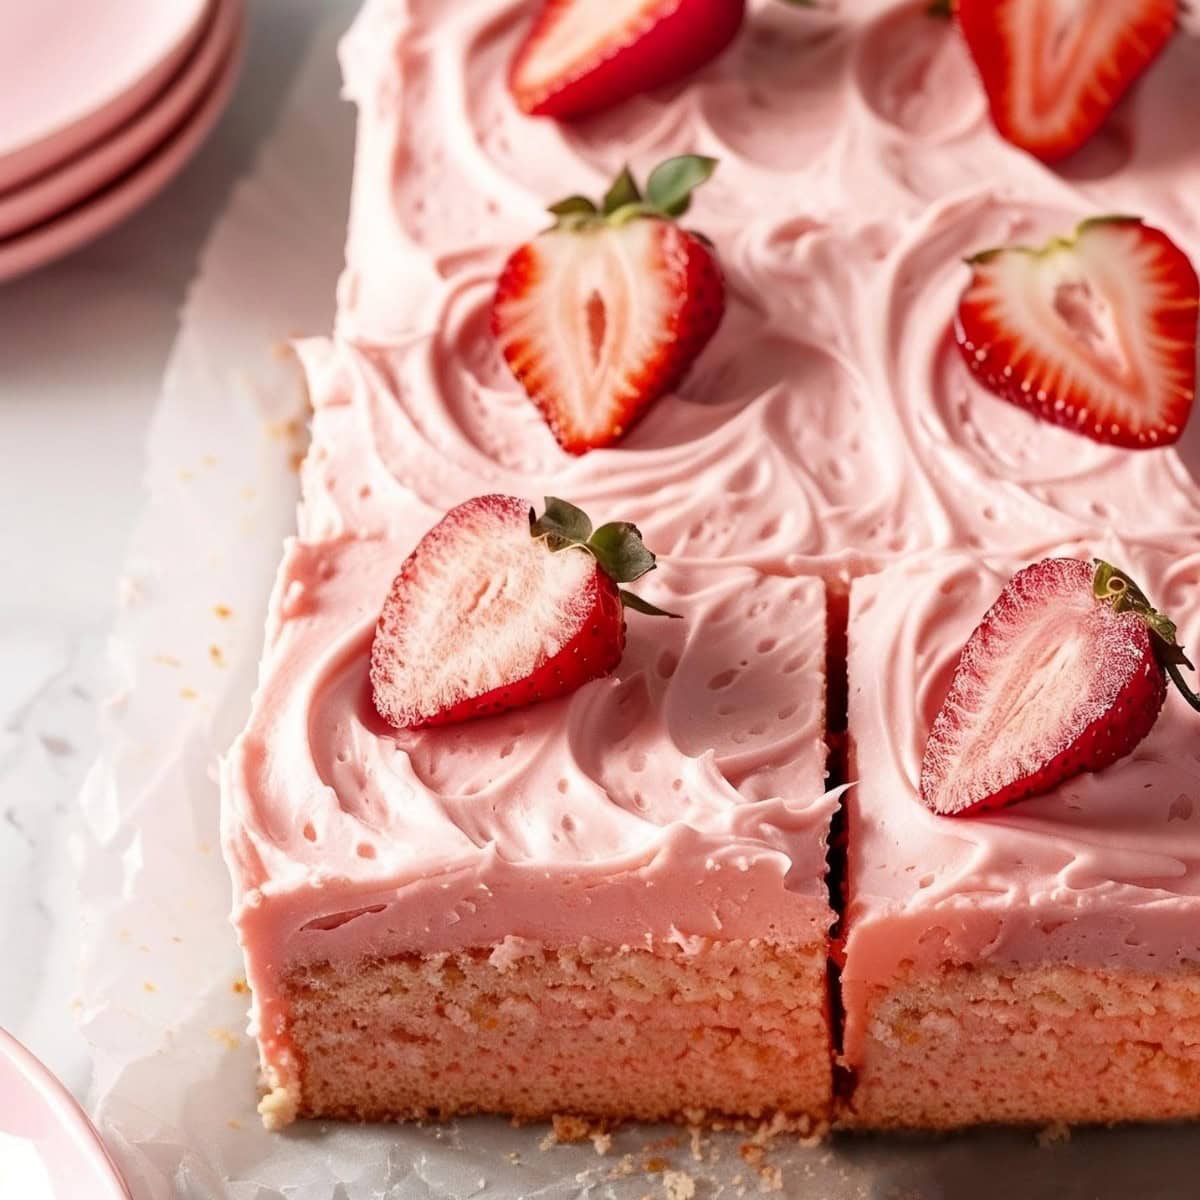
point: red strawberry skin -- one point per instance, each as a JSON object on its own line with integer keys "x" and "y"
{"x": 631, "y": 49}
{"x": 458, "y": 593}
{"x": 1014, "y": 330}
{"x": 1052, "y": 78}
{"x": 1051, "y": 684}
{"x": 663, "y": 329}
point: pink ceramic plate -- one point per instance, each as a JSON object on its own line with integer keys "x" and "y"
{"x": 74, "y": 70}
{"x": 50, "y": 194}
{"x": 49, "y": 1150}
{"x": 110, "y": 206}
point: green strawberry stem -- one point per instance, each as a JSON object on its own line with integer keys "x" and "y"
{"x": 617, "y": 547}
{"x": 1113, "y": 586}
{"x": 1191, "y": 697}
{"x": 668, "y": 194}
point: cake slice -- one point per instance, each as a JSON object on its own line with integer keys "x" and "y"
{"x": 1040, "y": 962}
{"x": 611, "y": 904}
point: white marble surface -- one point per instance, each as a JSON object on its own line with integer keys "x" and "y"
{"x": 82, "y": 348}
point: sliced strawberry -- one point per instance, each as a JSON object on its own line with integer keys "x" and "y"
{"x": 582, "y": 56}
{"x": 604, "y": 312}
{"x": 1095, "y": 332}
{"x": 1066, "y": 673}
{"x": 496, "y": 609}
{"x": 1054, "y": 69}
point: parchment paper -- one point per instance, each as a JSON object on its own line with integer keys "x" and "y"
{"x": 164, "y": 1002}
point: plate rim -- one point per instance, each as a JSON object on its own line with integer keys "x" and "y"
{"x": 67, "y": 1110}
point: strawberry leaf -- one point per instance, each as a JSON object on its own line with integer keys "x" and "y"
{"x": 619, "y": 549}
{"x": 671, "y": 183}
{"x": 1112, "y": 586}
{"x": 624, "y": 191}
{"x": 573, "y": 205}
{"x": 632, "y": 600}
{"x": 562, "y": 524}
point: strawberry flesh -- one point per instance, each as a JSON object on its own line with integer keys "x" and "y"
{"x": 599, "y": 322}
{"x": 1054, "y": 69}
{"x": 1095, "y": 332}
{"x": 1053, "y": 682}
{"x": 582, "y": 56}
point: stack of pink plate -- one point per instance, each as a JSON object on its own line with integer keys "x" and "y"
{"x": 102, "y": 102}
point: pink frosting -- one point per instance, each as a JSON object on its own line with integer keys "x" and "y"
{"x": 1103, "y": 870}
{"x": 441, "y": 420}
{"x": 831, "y": 425}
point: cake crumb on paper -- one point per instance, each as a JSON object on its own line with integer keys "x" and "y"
{"x": 224, "y": 1038}
{"x": 566, "y": 1130}
{"x": 282, "y": 430}
{"x": 240, "y": 987}
{"x": 625, "y": 1167}
{"x": 678, "y": 1185}
{"x": 770, "y": 1179}
{"x": 1054, "y": 1134}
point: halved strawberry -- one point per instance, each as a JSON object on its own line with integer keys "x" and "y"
{"x": 1054, "y": 69}
{"x": 1095, "y": 332}
{"x": 1066, "y": 673}
{"x": 604, "y": 312}
{"x": 497, "y": 608}
{"x": 585, "y": 55}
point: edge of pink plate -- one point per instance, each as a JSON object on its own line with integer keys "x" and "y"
{"x": 73, "y": 1121}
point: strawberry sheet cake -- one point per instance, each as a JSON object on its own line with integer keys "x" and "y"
{"x": 876, "y": 324}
